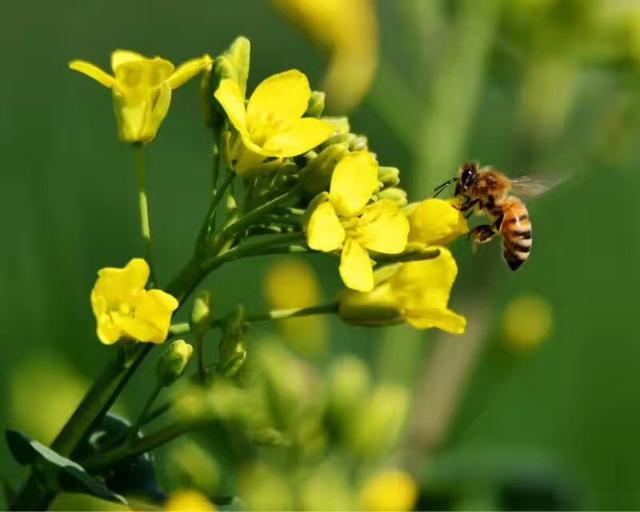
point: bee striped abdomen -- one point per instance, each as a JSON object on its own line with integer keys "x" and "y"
{"x": 516, "y": 234}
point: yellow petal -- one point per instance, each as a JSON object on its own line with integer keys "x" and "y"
{"x": 108, "y": 332}
{"x": 120, "y": 284}
{"x": 354, "y": 179}
{"x": 445, "y": 320}
{"x": 152, "y": 318}
{"x": 232, "y": 101}
{"x": 247, "y": 160}
{"x": 158, "y": 113}
{"x": 324, "y": 231}
{"x": 86, "y": 68}
{"x": 424, "y": 287}
{"x": 187, "y": 70}
{"x": 285, "y": 96}
{"x": 300, "y": 136}
{"x": 436, "y": 222}
{"x": 383, "y": 228}
{"x": 119, "y": 57}
{"x": 138, "y": 78}
{"x": 355, "y": 267}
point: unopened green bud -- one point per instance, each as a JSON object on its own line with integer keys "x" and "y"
{"x": 315, "y": 177}
{"x": 397, "y": 195}
{"x": 173, "y": 362}
{"x": 316, "y": 104}
{"x": 201, "y": 311}
{"x": 388, "y": 176}
{"x": 358, "y": 143}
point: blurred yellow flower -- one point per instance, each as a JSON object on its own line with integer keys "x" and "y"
{"x": 290, "y": 283}
{"x": 348, "y": 30}
{"x": 271, "y": 124}
{"x": 123, "y": 308}
{"x": 526, "y": 322}
{"x": 141, "y": 89}
{"x": 188, "y": 501}
{"x": 391, "y": 490}
{"x": 416, "y": 292}
{"x": 345, "y": 221}
{"x": 436, "y": 222}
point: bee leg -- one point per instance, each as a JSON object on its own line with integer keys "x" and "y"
{"x": 482, "y": 234}
{"x": 466, "y": 206}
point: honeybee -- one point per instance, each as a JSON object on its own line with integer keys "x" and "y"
{"x": 487, "y": 190}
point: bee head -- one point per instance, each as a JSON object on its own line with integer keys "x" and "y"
{"x": 468, "y": 176}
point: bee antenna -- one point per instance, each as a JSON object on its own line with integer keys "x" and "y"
{"x": 440, "y": 188}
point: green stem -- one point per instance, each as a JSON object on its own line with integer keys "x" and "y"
{"x": 145, "y": 227}
{"x": 276, "y": 314}
{"x": 202, "y": 367}
{"x": 135, "y": 428}
{"x": 250, "y": 217}
{"x": 100, "y": 461}
{"x": 209, "y": 220}
{"x": 157, "y": 412}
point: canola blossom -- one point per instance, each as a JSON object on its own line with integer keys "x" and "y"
{"x": 124, "y": 309}
{"x": 285, "y": 179}
{"x": 272, "y": 123}
{"x": 345, "y": 221}
{"x": 141, "y": 89}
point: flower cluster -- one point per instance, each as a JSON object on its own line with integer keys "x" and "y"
{"x": 310, "y": 178}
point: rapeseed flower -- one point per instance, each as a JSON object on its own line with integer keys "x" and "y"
{"x": 141, "y": 89}
{"x": 271, "y": 124}
{"x": 416, "y": 293}
{"x": 124, "y": 309}
{"x": 345, "y": 221}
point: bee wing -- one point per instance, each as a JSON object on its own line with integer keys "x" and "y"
{"x": 535, "y": 185}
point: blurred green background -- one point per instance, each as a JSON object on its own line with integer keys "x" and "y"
{"x": 530, "y": 86}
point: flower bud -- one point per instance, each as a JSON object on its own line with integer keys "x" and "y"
{"x": 173, "y": 361}
{"x": 358, "y": 143}
{"x": 201, "y": 311}
{"x": 388, "y": 176}
{"x": 315, "y": 177}
{"x": 316, "y": 104}
{"x": 397, "y": 195}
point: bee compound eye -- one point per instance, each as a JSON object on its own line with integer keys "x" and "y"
{"x": 468, "y": 174}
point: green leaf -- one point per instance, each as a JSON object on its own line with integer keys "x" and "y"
{"x": 71, "y": 476}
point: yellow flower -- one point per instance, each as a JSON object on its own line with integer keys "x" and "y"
{"x": 141, "y": 89}
{"x": 348, "y": 31}
{"x": 416, "y": 293}
{"x": 345, "y": 221}
{"x": 436, "y": 222}
{"x": 392, "y": 490}
{"x": 271, "y": 124}
{"x": 123, "y": 308}
{"x": 188, "y": 501}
